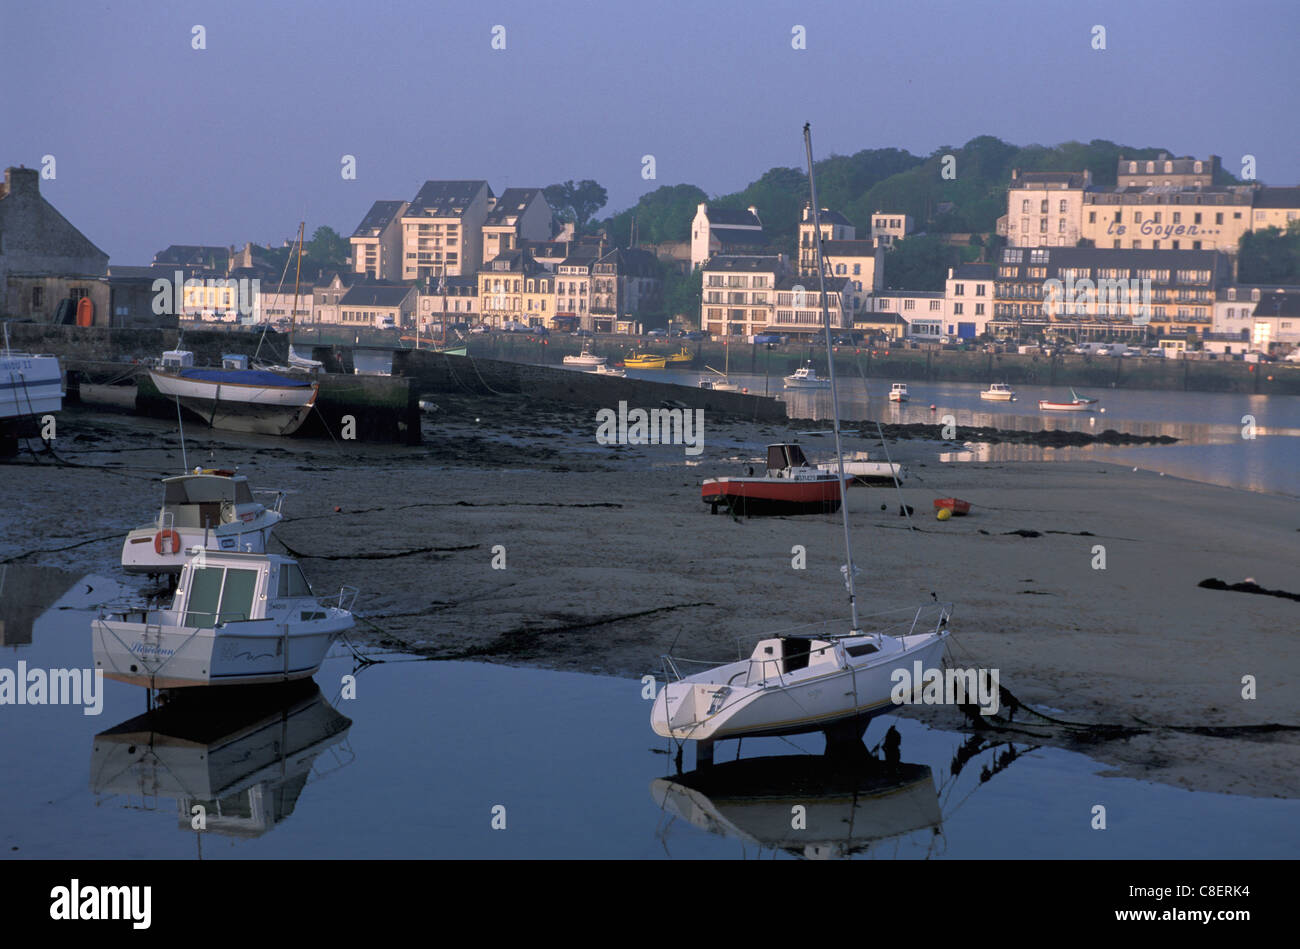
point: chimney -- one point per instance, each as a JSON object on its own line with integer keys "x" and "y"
{"x": 754, "y": 211}
{"x": 22, "y": 181}
{"x": 1015, "y": 174}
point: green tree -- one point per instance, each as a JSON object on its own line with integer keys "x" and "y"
{"x": 1270, "y": 256}
{"x": 661, "y": 215}
{"x": 326, "y": 249}
{"x": 683, "y": 293}
{"x": 921, "y": 262}
{"x": 576, "y": 202}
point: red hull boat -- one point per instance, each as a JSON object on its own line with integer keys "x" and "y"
{"x": 790, "y": 486}
{"x": 956, "y": 505}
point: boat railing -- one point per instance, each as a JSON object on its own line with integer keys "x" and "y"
{"x": 278, "y": 501}
{"x": 346, "y": 597}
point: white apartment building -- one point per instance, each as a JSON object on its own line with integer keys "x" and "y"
{"x": 724, "y": 231}
{"x": 835, "y": 227}
{"x": 1044, "y": 208}
{"x": 442, "y": 229}
{"x": 377, "y": 241}
{"x": 968, "y": 301}
{"x": 739, "y": 293}
{"x": 890, "y": 226}
{"x": 518, "y": 215}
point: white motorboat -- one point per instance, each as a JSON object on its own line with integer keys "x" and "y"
{"x": 805, "y": 377}
{"x": 812, "y": 678}
{"x": 998, "y": 392}
{"x": 235, "y": 619}
{"x": 31, "y": 384}
{"x": 212, "y": 508}
{"x": 585, "y": 359}
{"x": 898, "y": 392}
{"x": 717, "y": 382}
{"x": 604, "y": 370}
{"x": 235, "y": 398}
{"x": 863, "y": 471}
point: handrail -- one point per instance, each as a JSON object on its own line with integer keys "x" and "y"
{"x": 348, "y": 593}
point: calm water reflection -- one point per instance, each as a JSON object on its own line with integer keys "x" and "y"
{"x": 416, "y": 763}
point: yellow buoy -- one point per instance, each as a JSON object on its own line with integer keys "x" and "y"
{"x": 944, "y": 513}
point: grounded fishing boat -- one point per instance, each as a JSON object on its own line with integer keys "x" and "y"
{"x": 235, "y": 619}
{"x": 585, "y": 359}
{"x": 790, "y": 486}
{"x": 645, "y": 361}
{"x": 212, "y": 508}
{"x": 998, "y": 392}
{"x": 679, "y": 357}
{"x": 849, "y": 803}
{"x": 805, "y": 377}
{"x": 898, "y": 392}
{"x": 810, "y": 678}
{"x": 603, "y": 370}
{"x": 235, "y": 398}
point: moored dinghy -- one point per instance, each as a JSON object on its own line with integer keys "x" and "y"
{"x": 235, "y": 619}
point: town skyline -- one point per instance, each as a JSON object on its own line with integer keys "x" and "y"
{"x": 245, "y": 137}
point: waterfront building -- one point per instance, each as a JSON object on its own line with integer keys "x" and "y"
{"x": 1043, "y": 208}
{"x": 377, "y": 241}
{"x": 44, "y": 260}
{"x": 890, "y": 226}
{"x": 724, "y": 231}
{"x": 738, "y": 293}
{"x": 624, "y": 285}
{"x": 968, "y": 301}
{"x": 518, "y": 215}
{"x": 915, "y": 314}
{"x": 374, "y": 305}
{"x": 861, "y": 264}
{"x": 835, "y": 227}
{"x": 1275, "y": 207}
{"x": 442, "y": 229}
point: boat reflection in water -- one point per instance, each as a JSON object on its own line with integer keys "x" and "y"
{"x": 850, "y": 802}
{"x": 244, "y": 755}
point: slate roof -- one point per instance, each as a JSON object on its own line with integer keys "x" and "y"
{"x": 371, "y": 295}
{"x": 446, "y": 198}
{"x": 512, "y": 203}
{"x": 730, "y": 217}
{"x": 379, "y": 216}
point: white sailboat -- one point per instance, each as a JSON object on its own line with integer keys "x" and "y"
{"x": 810, "y": 678}
{"x": 718, "y": 382}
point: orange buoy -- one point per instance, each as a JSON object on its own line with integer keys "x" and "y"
{"x": 174, "y": 537}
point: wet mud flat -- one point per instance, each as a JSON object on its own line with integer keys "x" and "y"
{"x": 511, "y": 536}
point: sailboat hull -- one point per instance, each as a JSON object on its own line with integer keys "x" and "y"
{"x": 705, "y": 709}
{"x": 772, "y": 496}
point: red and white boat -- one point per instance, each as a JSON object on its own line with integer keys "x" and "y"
{"x": 790, "y": 486}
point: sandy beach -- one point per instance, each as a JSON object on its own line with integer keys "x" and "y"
{"x": 611, "y": 559}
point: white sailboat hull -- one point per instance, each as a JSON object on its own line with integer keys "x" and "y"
{"x": 716, "y": 705}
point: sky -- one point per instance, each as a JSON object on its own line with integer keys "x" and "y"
{"x": 155, "y": 142}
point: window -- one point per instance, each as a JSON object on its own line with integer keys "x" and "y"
{"x": 935, "y": 304}
{"x": 38, "y": 297}
{"x": 1092, "y": 217}
{"x": 1218, "y": 218}
{"x": 1024, "y": 206}
{"x": 909, "y": 304}
{"x": 292, "y": 582}
{"x": 1042, "y": 208}
{"x": 959, "y": 289}
{"x": 1196, "y": 218}
{"x": 979, "y": 309}
{"x": 1062, "y": 211}
{"x": 956, "y": 309}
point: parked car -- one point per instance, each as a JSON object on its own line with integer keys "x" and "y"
{"x": 657, "y": 333}
{"x": 695, "y": 334}
{"x": 584, "y": 334}
{"x": 842, "y": 340}
{"x": 479, "y": 328}
{"x": 768, "y": 338}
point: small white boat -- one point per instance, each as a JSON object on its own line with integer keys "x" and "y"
{"x": 718, "y": 382}
{"x": 235, "y": 398}
{"x": 898, "y": 392}
{"x": 805, "y": 377}
{"x": 585, "y": 359}
{"x": 604, "y": 370}
{"x": 998, "y": 392}
{"x": 863, "y": 471}
{"x": 1077, "y": 403}
{"x": 212, "y": 508}
{"x": 235, "y": 619}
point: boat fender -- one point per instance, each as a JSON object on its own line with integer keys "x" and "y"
{"x": 169, "y": 534}
{"x": 943, "y": 513}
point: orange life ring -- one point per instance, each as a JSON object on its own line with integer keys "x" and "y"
{"x": 158, "y": 542}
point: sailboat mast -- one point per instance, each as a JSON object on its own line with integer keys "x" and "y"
{"x": 297, "y": 273}
{"x": 830, "y": 359}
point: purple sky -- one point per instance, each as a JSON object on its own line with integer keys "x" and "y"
{"x": 157, "y": 143}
